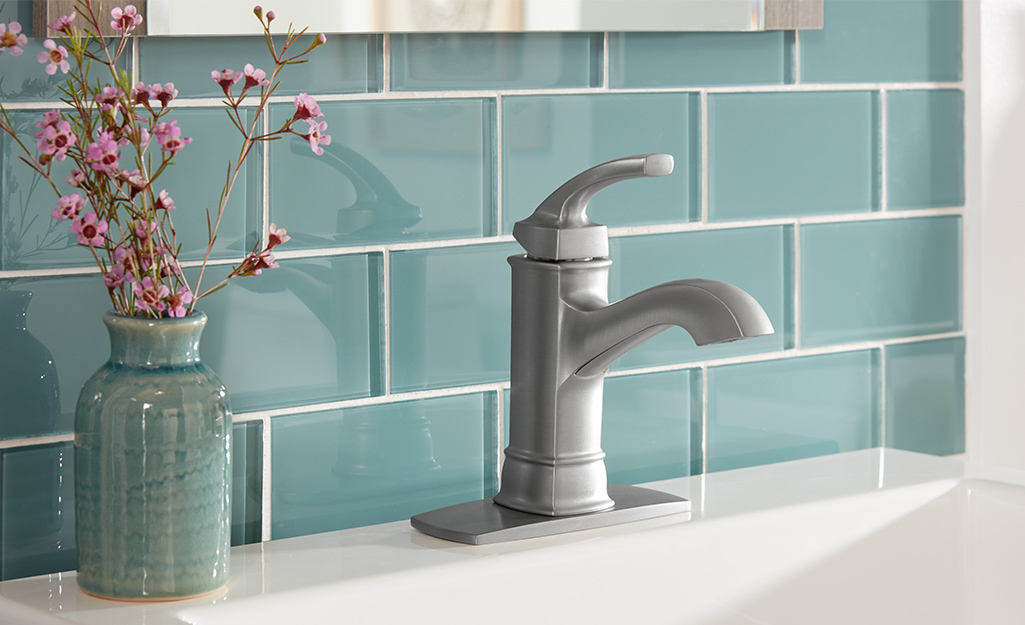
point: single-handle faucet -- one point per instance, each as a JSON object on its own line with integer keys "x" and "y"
{"x": 565, "y": 335}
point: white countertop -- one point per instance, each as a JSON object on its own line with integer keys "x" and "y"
{"x": 384, "y": 563}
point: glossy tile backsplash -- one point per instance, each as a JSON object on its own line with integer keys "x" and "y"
{"x": 820, "y": 171}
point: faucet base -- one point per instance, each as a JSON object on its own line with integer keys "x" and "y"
{"x": 484, "y": 522}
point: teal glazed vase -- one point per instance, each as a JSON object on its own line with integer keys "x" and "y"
{"x": 152, "y": 466}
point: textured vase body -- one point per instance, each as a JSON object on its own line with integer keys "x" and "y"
{"x": 152, "y": 465}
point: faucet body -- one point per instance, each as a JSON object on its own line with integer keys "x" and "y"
{"x": 565, "y": 334}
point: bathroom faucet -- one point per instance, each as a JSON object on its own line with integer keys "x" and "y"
{"x": 565, "y": 335}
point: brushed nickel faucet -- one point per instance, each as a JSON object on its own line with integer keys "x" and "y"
{"x": 565, "y": 335}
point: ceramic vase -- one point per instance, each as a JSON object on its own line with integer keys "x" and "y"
{"x": 152, "y": 466}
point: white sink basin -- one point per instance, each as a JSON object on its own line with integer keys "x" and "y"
{"x": 865, "y": 537}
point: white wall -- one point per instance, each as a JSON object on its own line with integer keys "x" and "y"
{"x": 995, "y": 230}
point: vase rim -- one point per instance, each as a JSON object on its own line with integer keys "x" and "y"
{"x": 197, "y": 316}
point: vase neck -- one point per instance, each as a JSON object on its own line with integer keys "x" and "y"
{"x": 154, "y": 342}
{"x": 14, "y": 310}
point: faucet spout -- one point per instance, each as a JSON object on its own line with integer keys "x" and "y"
{"x": 709, "y": 310}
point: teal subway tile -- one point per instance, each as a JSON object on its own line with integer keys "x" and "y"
{"x": 76, "y": 345}
{"x": 344, "y": 64}
{"x": 648, "y": 60}
{"x": 37, "y": 510}
{"x": 880, "y": 279}
{"x": 791, "y": 154}
{"x": 246, "y": 483}
{"x": 651, "y": 426}
{"x": 791, "y": 408}
{"x": 754, "y": 259}
{"x": 395, "y": 171}
{"x": 31, "y": 239}
{"x": 22, "y": 78}
{"x": 306, "y": 332}
{"x": 451, "y": 61}
{"x": 926, "y": 151}
{"x": 374, "y": 464}
{"x": 925, "y": 396}
{"x": 884, "y": 41}
{"x": 546, "y": 140}
{"x": 450, "y": 316}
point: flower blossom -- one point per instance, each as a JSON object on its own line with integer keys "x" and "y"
{"x": 115, "y": 277}
{"x": 63, "y": 23}
{"x": 164, "y": 93}
{"x": 168, "y": 135}
{"x": 56, "y": 56}
{"x": 50, "y": 118}
{"x": 11, "y": 38}
{"x": 140, "y": 94}
{"x": 277, "y": 236}
{"x": 103, "y": 154}
{"x": 54, "y": 141}
{"x": 306, "y": 107}
{"x": 125, "y": 20}
{"x": 164, "y": 201}
{"x": 89, "y": 229}
{"x": 68, "y": 207}
{"x": 135, "y": 181}
{"x": 226, "y": 78}
{"x": 76, "y": 179}
{"x": 144, "y": 230}
{"x": 176, "y": 302}
{"x": 149, "y": 295}
{"x": 255, "y": 77}
{"x": 254, "y": 264}
{"x": 126, "y": 262}
{"x": 109, "y": 95}
{"x": 317, "y": 137}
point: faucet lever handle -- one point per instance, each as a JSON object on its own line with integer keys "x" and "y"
{"x": 559, "y": 229}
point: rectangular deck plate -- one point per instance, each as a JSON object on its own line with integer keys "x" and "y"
{"x": 484, "y": 522}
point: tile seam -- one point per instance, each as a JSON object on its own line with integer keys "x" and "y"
{"x": 881, "y": 405}
{"x": 266, "y": 510}
{"x": 500, "y": 387}
{"x": 884, "y": 152}
{"x": 198, "y": 102}
{"x": 614, "y": 232}
{"x": 386, "y": 318}
{"x": 704, "y": 184}
{"x": 704, "y": 419}
{"x": 797, "y": 286}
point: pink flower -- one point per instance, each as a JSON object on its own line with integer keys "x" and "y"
{"x": 103, "y": 154}
{"x": 226, "y": 78}
{"x": 50, "y": 118}
{"x": 316, "y": 136}
{"x": 277, "y": 236}
{"x": 176, "y": 303}
{"x": 135, "y": 180}
{"x": 68, "y": 207}
{"x": 56, "y": 56}
{"x": 144, "y": 229}
{"x": 164, "y": 201}
{"x": 306, "y": 107}
{"x": 254, "y": 77}
{"x": 168, "y": 135}
{"x": 127, "y": 263}
{"x": 254, "y": 264}
{"x": 164, "y": 93}
{"x": 124, "y": 20}
{"x": 63, "y": 23}
{"x": 12, "y": 39}
{"x": 55, "y": 140}
{"x": 140, "y": 94}
{"x": 89, "y": 229}
{"x": 76, "y": 179}
{"x": 149, "y": 295}
{"x": 109, "y": 95}
{"x": 270, "y": 15}
{"x": 115, "y": 277}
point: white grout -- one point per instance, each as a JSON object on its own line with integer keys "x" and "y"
{"x": 703, "y": 98}
{"x": 704, "y": 419}
{"x": 606, "y": 83}
{"x": 265, "y": 491}
{"x": 386, "y": 319}
{"x": 884, "y": 152}
{"x": 797, "y": 292}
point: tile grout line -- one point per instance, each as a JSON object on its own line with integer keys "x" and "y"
{"x": 498, "y": 161}
{"x": 797, "y": 57}
{"x": 881, "y": 405}
{"x": 385, "y": 64}
{"x": 703, "y": 97}
{"x": 704, "y": 419}
{"x": 500, "y": 409}
{"x": 797, "y": 286}
{"x": 387, "y": 94}
{"x": 265, "y": 490}
{"x": 386, "y": 319}
{"x": 614, "y": 232}
{"x": 884, "y": 153}
{"x": 605, "y": 56}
